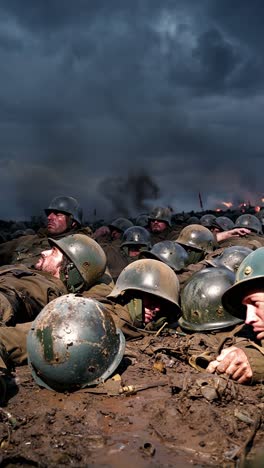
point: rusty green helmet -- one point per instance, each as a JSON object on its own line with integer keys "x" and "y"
{"x": 150, "y": 276}
{"x": 197, "y": 237}
{"x": 88, "y": 260}
{"x": 250, "y": 275}
{"x": 73, "y": 343}
{"x": 201, "y": 305}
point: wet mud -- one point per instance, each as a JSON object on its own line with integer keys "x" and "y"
{"x": 162, "y": 412}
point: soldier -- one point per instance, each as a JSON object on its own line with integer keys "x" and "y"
{"x": 222, "y": 223}
{"x": 61, "y": 269}
{"x": 160, "y": 226}
{"x": 64, "y": 216}
{"x": 244, "y": 361}
{"x": 150, "y": 288}
{"x": 112, "y": 232}
{"x": 134, "y": 239}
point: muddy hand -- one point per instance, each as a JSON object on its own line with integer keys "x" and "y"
{"x": 233, "y": 362}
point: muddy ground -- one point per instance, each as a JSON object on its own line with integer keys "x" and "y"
{"x": 189, "y": 418}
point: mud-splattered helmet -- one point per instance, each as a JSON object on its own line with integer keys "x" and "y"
{"x": 73, "y": 343}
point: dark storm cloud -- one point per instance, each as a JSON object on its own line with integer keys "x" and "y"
{"x": 93, "y": 91}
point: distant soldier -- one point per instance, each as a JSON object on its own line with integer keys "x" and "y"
{"x": 160, "y": 225}
{"x": 64, "y": 216}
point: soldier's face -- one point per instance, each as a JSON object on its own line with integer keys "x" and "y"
{"x": 254, "y": 303}
{"x": 57, "y": 223}
{"x": 133, "y": 251}
{"x": 157, "y": 226}
{"x": 50, "y": 261}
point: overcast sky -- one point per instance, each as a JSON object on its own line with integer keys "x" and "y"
{"x": 126, "y": 104}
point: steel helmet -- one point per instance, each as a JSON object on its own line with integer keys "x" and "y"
{"x": 231, "y": 257}
{"x": 142, "y": 220}
{"x": 201, "y": 305}
{"x": 160, "y": 214}
{"x": 66, "y": 205}
{"x": 207, "y": 220}
{"x": 223, "y": 223}
{"x": 136, "y": 235}
{"x": 249, "y": 221}
{"x": 87, "y": 257}
{"x": 193, "y": 220}
{"x": 73, "y": 343}
{"x": 121, "y": 224}
{"x": 169, "y": 252}
{"x": 197, "y": 237}
{"x": 249, "y": 275}
{"x": 150, "y": 276}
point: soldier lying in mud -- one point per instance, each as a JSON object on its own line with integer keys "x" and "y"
{"x": 244, "y": 362}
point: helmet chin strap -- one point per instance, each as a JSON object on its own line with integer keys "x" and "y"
{"x": 72, "y": 278}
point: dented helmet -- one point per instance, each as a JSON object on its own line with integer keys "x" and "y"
{"x": 73, "y": 343}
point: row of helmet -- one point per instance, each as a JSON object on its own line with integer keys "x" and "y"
{"x": 224, "y": 223}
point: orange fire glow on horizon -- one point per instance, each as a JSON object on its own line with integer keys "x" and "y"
{"x": 227, "y": 204}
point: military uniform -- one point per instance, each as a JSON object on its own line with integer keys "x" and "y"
{"x": 24, "y": 292}
{"x": 252, "y": 240}
{"x": 205, "y": 347}
{"x": 116, "y": 259}
{"x": 193, "y": 268}
{"x": 27, "y": 249}
{"x": 168, "y": 234}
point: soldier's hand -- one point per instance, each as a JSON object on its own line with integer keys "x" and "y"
{"x": 149, "y": 315}
{"x": 233, "y": 362}
{"x": 236, "y": 232}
